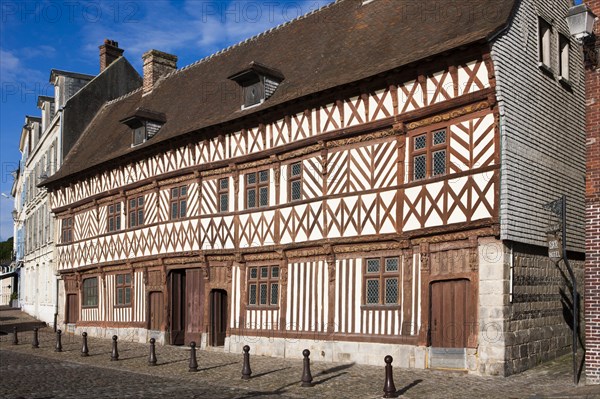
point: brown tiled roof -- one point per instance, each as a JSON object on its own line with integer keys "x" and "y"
{"x": 338, "y": 44}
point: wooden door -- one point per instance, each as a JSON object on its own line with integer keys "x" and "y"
{"x": 156, "y": 311}
{"x": 72, "y": 308}
{"x": 449, "y": 314}
{"x": 218, "y": 317}
{"x": 194, "y": 317}
{"x": 177, "y": 314}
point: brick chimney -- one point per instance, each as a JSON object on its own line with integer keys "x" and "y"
{"x": 109, "y": 52}
{"x": 156, "y": 65}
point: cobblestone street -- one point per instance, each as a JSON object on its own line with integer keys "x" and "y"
{"x": 42, "y": 373}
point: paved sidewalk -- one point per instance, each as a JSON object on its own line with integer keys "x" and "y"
{"x": 27, "y": 373}
{"x": 10, "y": 318}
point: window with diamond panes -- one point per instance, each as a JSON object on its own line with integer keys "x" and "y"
{"x": 136, "y": 212}
{"x": 114, "y": 217}
{"x": 178, "y": 202}
{"x": 263, "y": 286}
{"x": 429, "y": 154}
{"x": 224, "y": 195}
{"x": 295, "y": 181}
{"x": 381, "y": 281}
{"x": 257, "y": 189}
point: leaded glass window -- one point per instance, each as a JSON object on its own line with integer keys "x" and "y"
{"x": 381, "y": 281}
{"x": 263, "y": 286}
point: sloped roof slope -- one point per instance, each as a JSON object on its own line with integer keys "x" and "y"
{"x": 338, "y": 44}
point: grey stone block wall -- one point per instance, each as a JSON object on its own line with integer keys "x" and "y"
{"x": 538, "y": 320}
{"x": 542, "y": 125}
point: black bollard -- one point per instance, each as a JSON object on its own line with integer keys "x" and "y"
{"x": 152, "y": 357}
{"x": 193, "y": 361}
{"x": 84, "y": 348}
{"x": 58, "y": 347}
{"x": 306, "y": 375}
{"x": 389, "y": 389}
{"x": 15, "y": 340}
{"x": 35, "y": 343}
{"x": 114, "y": 356}
{"x": 246, "y": 371}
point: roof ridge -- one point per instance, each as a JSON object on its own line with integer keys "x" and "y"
{"x": 124, "y": 96}
{"x": 252, "y": 38}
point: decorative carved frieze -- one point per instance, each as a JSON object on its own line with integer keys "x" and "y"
{"x": 361, "y": 139}
{"x": 175, "y": 180}
{"x": 301, "y": 152}
{"x": 220, "y": 258}
{"x": 449, "y": 115}
{"x": 374, "y": 246}
{"x": 148, "y": 187}
{"x": 262, "y": 256}
{"x": 215, "y": 172}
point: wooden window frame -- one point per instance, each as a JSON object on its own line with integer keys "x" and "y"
{"x": 428, "y": 151}
{"x": 294, "y": 178}
{"x": 544, "y": 44}
{"x": 67, "y": 230}
{"x": 259, "y": 281}
{"x": 257, "y": 186}
{"x": 564, "y": 51}
{"x": 113, "y": 216}
{"x": 143, "y": 133}
{"x": 222, "y": 192}
{"x": 177, "y": 199}
{"x": 136, "y": 209}
{"x": 124, "y": 287}
{"x": 86, "y": 294}
{"x": 381, "y": 277}
{"x": 259, "y": 87}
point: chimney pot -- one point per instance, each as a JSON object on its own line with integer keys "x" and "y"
{"x": 156, "y": 65}
{"x": 109, "y": 52}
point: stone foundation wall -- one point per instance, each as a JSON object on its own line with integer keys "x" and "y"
{"x": 538, "y": 316}
{"x": 406, "y": 356}
{"x": 125, "y": 334}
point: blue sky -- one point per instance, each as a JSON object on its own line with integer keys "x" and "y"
{"x": 36, "y": 36}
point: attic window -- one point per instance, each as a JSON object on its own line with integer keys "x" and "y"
{"x": 139, "y": 135}
{"x": 144, "y": 124}
{"x": 258, "y": 83}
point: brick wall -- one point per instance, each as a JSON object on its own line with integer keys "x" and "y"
{"x": 592, "y": 265}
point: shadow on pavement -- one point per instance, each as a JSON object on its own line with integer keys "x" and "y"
{"x": 409, "y": 386}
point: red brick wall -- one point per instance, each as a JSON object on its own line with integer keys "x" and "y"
{"x": 592, "y": 264}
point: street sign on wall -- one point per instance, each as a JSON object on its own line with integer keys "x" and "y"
{"x": 554, "y": 248}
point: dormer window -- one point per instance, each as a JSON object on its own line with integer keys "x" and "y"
{"x": 253, "y": 94}
{"x": 139, "y": 135}
{"x": 145, "y": 124}
{"x": 258, "y": 83}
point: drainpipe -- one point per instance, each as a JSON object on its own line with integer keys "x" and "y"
{"x": 511, "y": 275}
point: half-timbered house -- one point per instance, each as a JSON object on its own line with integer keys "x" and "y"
{"x": 365, "y": 180}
